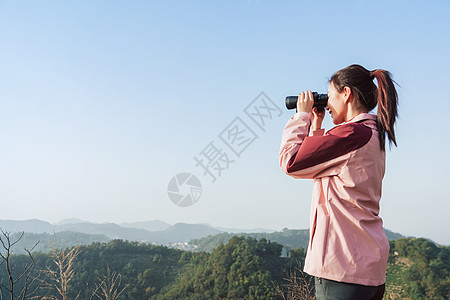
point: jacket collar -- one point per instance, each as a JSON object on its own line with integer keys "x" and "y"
{"x": 369, "y": 120}
{"x": 362, "y": 117}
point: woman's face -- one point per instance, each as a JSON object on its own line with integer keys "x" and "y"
{"x": 336, "y": 105}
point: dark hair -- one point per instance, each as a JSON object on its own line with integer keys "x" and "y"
{"x": 368, "y": 95}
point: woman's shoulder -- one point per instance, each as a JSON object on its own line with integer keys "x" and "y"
{"x": 352, "y": 130}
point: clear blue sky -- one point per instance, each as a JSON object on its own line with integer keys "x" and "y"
{"x": 103, "y": 102}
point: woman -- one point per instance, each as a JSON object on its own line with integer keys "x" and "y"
{"x": 348, "y": 249}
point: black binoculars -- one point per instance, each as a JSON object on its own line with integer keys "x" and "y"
{"x": 320, "y": 101}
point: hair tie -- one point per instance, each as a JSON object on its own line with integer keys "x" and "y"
{"x": 371, "y": 75}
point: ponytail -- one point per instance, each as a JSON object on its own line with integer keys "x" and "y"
{"x": 387, "y": 100}
{"x": 360, "y": 81}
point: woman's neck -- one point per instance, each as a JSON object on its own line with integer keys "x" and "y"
{"x": 352, "y": 113}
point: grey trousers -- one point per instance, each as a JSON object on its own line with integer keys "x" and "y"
{"x": 333, "y": 290}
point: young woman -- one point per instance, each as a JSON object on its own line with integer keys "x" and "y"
{"x": 348, "y": 249}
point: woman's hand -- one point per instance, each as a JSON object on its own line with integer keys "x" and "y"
{"x": 305, "y": 102}
{"x": 317, "y": 119}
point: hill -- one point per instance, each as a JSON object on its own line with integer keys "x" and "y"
{"x": 242, "y": 268}
{"x": 289, "y": 238}
{"x": 418, "y": 269}
{"x": 45, "y": 242}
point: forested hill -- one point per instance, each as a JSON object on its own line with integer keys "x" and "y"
{"x": 242, "y": 268}
{"x": 289, "y": 238}
{"x": 418, "y": 269}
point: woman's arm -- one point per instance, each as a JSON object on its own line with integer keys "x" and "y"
{"x": 303, "y": 156}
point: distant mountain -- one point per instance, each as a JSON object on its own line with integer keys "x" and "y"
{"x": 149, "y": 225}
{"x": 44, "y": 242}
{"x": 176, "y": 233}
{"x": 111, "y": 230}
{"x": 33, "y": 226}
{"x": 392, "y": 236}
{"x": 169, "y": 234}
{"x": 234, "y": 230}
{"x": 69, "y": 221}
{"x": 185, "y": 232}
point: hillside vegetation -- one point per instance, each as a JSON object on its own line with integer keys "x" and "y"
{"x": 242, "y": 268}
{"x": 418, "y": 269}
{"x": 289, "y": 238}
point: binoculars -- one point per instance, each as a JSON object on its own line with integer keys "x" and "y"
{"x": 320, "y": 101}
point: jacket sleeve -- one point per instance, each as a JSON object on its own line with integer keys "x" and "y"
{"x": 318, "y": 155}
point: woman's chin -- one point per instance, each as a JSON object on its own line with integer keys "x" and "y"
{"x": 336, "y": 121}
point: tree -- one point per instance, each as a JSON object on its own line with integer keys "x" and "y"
{"x": 297, "y": 285}
{"x": 240, "y": 269}
{"x": 60, "y": 278}
{"x": 14, "y": 278}
{"x": 108, "y": 286}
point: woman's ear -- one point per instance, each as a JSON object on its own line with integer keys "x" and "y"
{"x": 347, "y": 93}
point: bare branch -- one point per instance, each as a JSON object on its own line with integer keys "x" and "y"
{"x": 60, "y": 278}
{"x": 17, "y": 240}
{"x": 109, "y": 286}
{"x": 25, "y": 275}
{"x": 298, "y": 285}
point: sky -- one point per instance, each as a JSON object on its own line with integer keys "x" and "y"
{"x": 103, "y": 104}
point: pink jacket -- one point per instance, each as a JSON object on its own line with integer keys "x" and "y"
{"x": 347, "y": 241}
